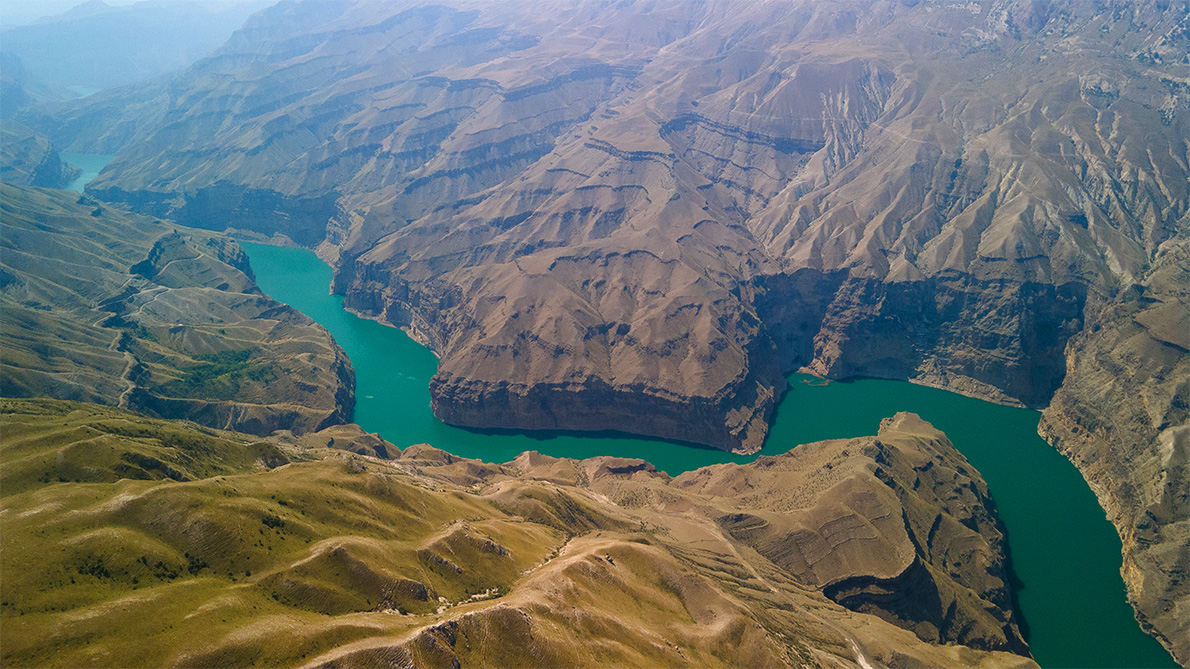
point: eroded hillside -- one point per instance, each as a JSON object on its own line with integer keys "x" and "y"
{"x": 232, "y": 551}
{"x": 108, "y": 306}
{"x": 587, "y": 218}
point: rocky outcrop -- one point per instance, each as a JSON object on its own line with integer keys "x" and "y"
{"x": 1123, "y": 417}
{"x": 899, "y": 525}
{"x": 107, "y": 306}
{"x": 998, "y": 340}
{"x": 28, "y": 159}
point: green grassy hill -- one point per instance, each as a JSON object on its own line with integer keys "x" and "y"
{"x": 131, "y": 541}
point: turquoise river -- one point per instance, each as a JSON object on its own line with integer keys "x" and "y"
{"x": 1064, "y": 552}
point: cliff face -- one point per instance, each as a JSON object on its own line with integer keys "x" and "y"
{"x": 898, "y": 525}
{"x": 1123, "y": 416}
{"x": 108, "y": 306}
{"x": 28, "y": 159}
{"x": 224, "y": 557}
{"x": 640, "y": 215}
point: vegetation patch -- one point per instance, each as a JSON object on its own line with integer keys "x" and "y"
{"x": 220, "y": 375}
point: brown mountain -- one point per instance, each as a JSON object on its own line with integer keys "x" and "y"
{"x": 1122, "y": 417}
{"x": 224, "y": 550}
{"x": 596, "y": 213}
{"x": 28, "y": 159}
{"x": 103, "y": 305}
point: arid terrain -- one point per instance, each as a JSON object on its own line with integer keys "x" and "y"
{"x": 644, "y": 214}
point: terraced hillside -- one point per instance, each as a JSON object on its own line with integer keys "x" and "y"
{"x": 147, "y": 542}
{"x": 108, "y": 306}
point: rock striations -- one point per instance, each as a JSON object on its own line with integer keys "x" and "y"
{"x": 1123, "y": 416}
{"x": 108, "y": 306}
{"x": 899, "y": 525}
{"x": 596, "y": 212}
{"x": 228, "y": 551}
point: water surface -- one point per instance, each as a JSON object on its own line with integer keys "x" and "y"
{"x": 1065, "y": 553}
{"x": 89, "y": 163}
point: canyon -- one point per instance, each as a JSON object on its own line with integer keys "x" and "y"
{"x": 595, "y": 214}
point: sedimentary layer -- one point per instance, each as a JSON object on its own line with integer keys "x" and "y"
{"x": 1123, "y": 417}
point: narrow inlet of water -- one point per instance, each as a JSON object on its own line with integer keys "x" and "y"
{"x": 1065, "y": 554}
{"x": 89, "y": 163}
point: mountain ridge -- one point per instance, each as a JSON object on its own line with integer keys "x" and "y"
{"x": 108, "y": 306}
{"x": 301, "y": 550}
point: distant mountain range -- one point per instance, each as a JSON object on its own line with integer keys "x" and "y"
{"x": 95, "y": 45}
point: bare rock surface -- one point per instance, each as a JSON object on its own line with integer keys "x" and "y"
{"x": 1123, "y": 417}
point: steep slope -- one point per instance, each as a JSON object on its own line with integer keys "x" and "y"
{"x": 107, "y": 306}
{"x": 651, "y": 210}
{"x": 898, "y": 525}
{"x": 1123, "y": 416}
{"x": 28, "y": 159}
{"x": 317, "y": 557}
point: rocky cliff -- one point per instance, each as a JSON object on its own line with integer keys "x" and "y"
{"x": 583, "y": 238}
{"x": 28, "y": 159}
{"x": 609, "y": 212}
{"x": 229, "y": 551}
{"x": 108, "y": 306}
{"x": 1123, "y": 416}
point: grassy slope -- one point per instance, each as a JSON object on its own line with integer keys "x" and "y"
{"x": 106, "y": 306}
{"x": 278, "y": 554}
{"x": 131, "y": 572}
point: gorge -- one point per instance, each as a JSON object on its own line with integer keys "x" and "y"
{"x": 643, "y": 216}
{"x": 1065, "y": 588}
